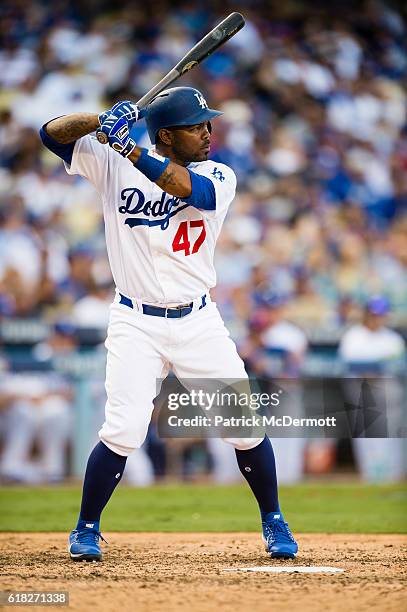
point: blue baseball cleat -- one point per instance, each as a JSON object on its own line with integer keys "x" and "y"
{"x": 277, "y": 537}
{"x": 83, "y": 543}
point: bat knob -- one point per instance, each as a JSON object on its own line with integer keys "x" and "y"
{"x": 101, "y": 137}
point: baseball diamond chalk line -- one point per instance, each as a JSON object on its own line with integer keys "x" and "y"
{"x": 300, "y": 569}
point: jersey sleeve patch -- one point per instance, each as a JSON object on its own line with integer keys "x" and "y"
{"x": 218, "y": 174}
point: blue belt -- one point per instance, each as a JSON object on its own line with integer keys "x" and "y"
{"x": 176, "y": 312}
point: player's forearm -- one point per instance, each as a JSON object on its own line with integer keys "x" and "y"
{"x": 174, "y": 180}
{"x": 71, "y": 127}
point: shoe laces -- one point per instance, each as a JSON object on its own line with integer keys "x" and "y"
{"x": 89, "y": 536}
{"x": 278, "y": 531}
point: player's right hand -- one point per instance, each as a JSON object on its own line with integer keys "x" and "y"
{"x": 126, "y": 109}
{"x": 118, "y": 134}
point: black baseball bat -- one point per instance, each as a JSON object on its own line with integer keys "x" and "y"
{"x": 205, "y": 47}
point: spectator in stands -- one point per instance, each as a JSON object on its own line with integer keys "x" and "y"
{"x": 372, "y": 350}
{"x": 39, "y": 413}
{"x": 92, "y": 311}
{"x": 79, "y": 280}
{"x": 371, "y": 343}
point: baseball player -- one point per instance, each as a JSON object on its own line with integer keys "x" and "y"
{"x": 163, "y": 211}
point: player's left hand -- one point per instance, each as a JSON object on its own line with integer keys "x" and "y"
{"x": 118, "y": 134}
{"x": 126, "y": 109}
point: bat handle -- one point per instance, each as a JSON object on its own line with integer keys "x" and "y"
{"x": 101, "y": 137}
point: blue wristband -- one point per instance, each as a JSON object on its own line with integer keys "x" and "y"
{"x": 150, "y": 166}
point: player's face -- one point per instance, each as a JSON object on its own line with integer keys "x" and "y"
{"x": 191, "y": 143}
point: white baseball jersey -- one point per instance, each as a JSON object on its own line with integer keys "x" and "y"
{"x": 160, "y": 248}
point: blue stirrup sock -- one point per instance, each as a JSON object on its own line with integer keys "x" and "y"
{"x": 258, "y": 466}
{"x": 103, "y": 473}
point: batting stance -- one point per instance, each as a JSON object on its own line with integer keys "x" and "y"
{"x": 163, "y": 211}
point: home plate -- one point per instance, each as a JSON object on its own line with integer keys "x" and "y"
{"x": 298, "y": 569}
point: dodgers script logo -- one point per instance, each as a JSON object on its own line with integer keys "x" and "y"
{"x": 135, "y": 203}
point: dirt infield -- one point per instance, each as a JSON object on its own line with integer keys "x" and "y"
{"x": 156, "y": 571}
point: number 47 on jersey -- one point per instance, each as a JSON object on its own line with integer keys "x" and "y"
{"x": 186, "y": 232}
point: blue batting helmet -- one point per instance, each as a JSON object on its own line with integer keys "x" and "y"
{"x": 177, "y": 106}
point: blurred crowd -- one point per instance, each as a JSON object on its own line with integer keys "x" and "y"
{"x": 314, "y": 125}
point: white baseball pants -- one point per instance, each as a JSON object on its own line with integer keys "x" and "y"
{"x": 143, "y": 348}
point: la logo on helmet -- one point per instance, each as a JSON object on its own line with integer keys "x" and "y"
{"x": 201, "y": 100}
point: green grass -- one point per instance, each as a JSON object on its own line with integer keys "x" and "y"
{"x": 338, "y": 508}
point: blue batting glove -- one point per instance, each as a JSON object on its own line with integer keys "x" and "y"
{"x": 117, "y": 132}
{"x": 126, "y": 109}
